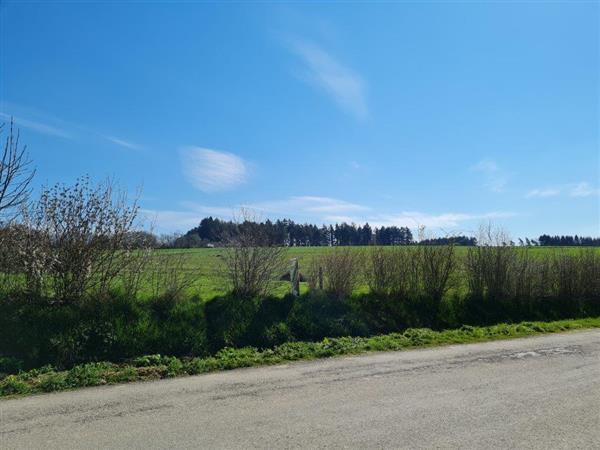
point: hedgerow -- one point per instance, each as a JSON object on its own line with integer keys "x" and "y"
{"x": 153, "y": 367}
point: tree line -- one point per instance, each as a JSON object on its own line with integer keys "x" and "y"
{"x": 216, "y": 232}
{"x": 285, "y": 232}
{"x": 569, "y": 241}
{"x": 288, "y": 233}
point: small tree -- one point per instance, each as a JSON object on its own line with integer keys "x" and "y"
{"x": 390, "y": 272}
{"x": 16, "y": 174}
{"x": 77, "y": 239}
{"x": 251, "y": 261}
{"x": 435, "y": 265}
{"x": 168, "y": 275}
{"x": 339, "y": 271}
{"x": 490, "y": 267}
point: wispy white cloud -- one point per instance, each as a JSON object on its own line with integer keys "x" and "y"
{"x": 123, "y": 143}
{"x": 300, "y": 207}
{"x": 327, "y": 210}
{"x": 53, "y": 126}
{"x": 581, "y": 189}
{"x": 496, "y": 178}
{"x": 323, "y": 70}
{"x": 39, "y": 127}
{"x": 543, "y": 193}
{"x": 212, "y": 170}
{"x": 307, "y": 206}
{"x": 415, "y": 219}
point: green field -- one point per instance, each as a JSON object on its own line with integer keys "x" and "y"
{"x": 205, "y": 265}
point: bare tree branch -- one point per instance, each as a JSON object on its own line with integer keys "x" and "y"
{"x": 16, "y": 173}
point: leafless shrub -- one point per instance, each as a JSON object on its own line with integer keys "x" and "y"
{"x": 339, "y": 269}
{"x": 433, "y": 268}
{"x": 251, "y": 263}
{"x": 16, "y": 174}
{"x": 576, "y": 275}
{"x": 390, "y": 272}
{"x": 530, "y": 277}
{"x": 491, "y": 265}
{"x": 526, "y": 271}
{"x": 314, "y": 274}
{"x": 168, "y": 276}
{"x": 76, "y": 239}
{"x": 589, "y": 276}
{"x": 542, "y": 274}
{"x": 565, "y": 275}
{"x": 435, "y": 265}
{"x": 134, "y": 276}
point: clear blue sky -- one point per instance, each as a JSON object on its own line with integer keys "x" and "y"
{"x": 441, "y": 114}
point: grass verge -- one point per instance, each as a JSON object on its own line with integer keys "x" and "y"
{"x": 154, "y": 367}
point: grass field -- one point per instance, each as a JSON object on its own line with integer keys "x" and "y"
{"x": 204, "y": 265}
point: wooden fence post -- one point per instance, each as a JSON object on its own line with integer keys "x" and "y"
{"x": 295, "y": 278}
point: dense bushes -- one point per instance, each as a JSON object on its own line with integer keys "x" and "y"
{"x": 157, "y": 366}
{"x": 505, "y": 283}
{"x": 72, "y": 242}
{"x": 410, "y": 287}
{"x": 38, "y": 331}
{"x": 336, "y": 272}
{"x": 315, "y": 316}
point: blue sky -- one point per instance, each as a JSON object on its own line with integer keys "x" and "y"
{"x": 440, "y": 114}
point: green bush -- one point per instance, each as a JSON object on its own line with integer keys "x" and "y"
{"x": 37, "y": 332}
{"x": 13, "y": 385}
{"x": 54, "y": 381}
{"x": 277, "y": 334}
{"x": 180, "y": 330}
{"x": 9, "y": 365}
{"x": 228, "y": 320}
{"x": 46, "y": 379}
{"x": 91, "y": 374}
{"x": 316, "y": 316}
{"x": 384, "y": 313}
{"x": 148, "y": 360}
{"x": 234, "y": 322}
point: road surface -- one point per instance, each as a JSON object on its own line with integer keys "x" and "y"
{"x": 541, "y": 392}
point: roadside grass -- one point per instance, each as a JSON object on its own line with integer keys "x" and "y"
{"x": 154, "y": 367}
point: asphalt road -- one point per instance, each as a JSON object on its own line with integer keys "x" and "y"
{"x": 541, "y": 392}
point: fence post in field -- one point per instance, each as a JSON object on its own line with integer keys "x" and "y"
{"x": 295, "y": 278}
